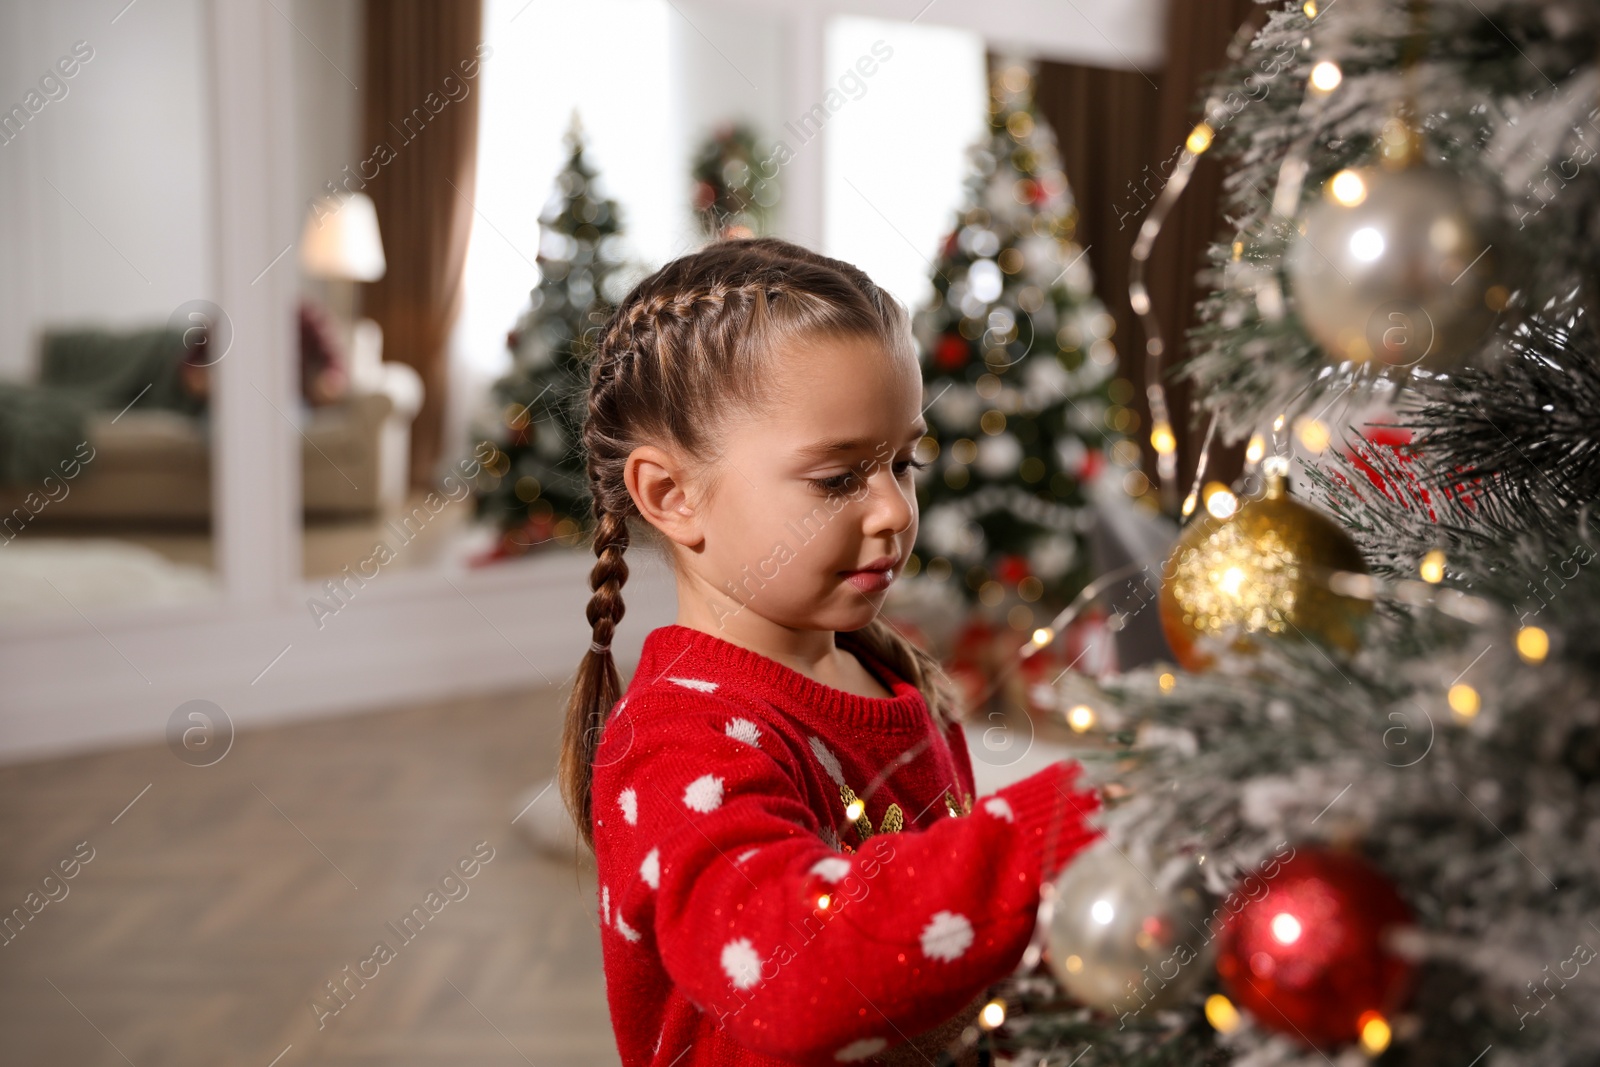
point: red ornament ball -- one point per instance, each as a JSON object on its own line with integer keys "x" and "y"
{"x": 1011, "y": 569}
{"x": 1307, "y": 957}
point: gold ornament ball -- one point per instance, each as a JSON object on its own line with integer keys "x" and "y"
{"x": 1264, "y": 569}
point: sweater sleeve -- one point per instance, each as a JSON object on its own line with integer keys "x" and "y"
{"x": 798, "y": 950}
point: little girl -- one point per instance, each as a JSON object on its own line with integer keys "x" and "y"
{"x": 792, "y": 866}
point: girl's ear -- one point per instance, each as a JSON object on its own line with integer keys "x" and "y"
{"x": 656, "y": 480}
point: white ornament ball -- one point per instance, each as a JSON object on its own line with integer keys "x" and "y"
{"x": 998, "y": 456}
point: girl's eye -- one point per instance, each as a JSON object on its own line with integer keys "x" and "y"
{"x": 848, "y": 482}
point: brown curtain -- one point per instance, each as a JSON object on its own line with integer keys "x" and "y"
{"x": 421, "y": 101}
{"x": 1118, "y": 130}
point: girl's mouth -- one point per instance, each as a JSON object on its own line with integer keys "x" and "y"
{"x": 872, "y": 581}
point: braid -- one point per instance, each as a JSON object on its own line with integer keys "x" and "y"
{"x": 683, "y": 346}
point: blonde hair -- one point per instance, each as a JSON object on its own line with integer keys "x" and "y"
{"x": 683, "y": 345}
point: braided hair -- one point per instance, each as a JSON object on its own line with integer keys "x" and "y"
{"x": 684, "y": 345}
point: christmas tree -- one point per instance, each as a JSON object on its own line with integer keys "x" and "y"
{"x": 533, "y": 484}
{"x": 1018, "y": 373}
{"x": 1362, "y": 819}
{"x": 732, "y": 195}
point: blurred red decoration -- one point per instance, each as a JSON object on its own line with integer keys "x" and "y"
{"x": 1011, "y": 569}
{"x": 1308, "y": 958}
{"x": 953, "y": 352}
{"x": 1397, "y": 441}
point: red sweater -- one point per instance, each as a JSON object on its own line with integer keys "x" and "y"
{"x": 745, "y": 919}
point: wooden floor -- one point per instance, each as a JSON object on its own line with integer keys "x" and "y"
{"x": 220, "y": 900}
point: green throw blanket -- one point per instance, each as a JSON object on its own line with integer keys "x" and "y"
{"x": 82, "y": 371}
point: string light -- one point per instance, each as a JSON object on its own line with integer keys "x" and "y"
{"x": 1074, "y": 964}
{"x": 992, "y": 1015}
{"x": 1347, "y": 188}
{"x": 1533, "y": 644}
{"x": 1432, "y": 568}
{"x": 1162, "y": 440}
{"x": 1199, "y": 138}
{"x": 1167, "y": 680}
{"x": 1314, "y": 435}
{"x": 1081, "y": 718}
{"x": 1043, "y": 636}
{"x": 1219, "y": 501}
{"x": 1464, "y": 701}
{"x": 1310, "y": 8}
{"x": 854, "y": 809}
{"x": 1221, "y": 1014}
{"x": 1326, "y": 76}
{"x": 1256, "y": 448}
{"x": 1375, "y": 1033}
{"x": 823, "y": 901}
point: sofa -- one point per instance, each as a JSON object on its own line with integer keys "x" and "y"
{"x": 150, "y": 439}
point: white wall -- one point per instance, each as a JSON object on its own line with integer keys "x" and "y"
{"x": 128, "y": 236}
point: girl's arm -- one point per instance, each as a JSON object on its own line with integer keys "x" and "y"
{"x": 709, "y": 853}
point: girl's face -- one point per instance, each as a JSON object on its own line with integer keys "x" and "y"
{"x": 811, "y": 511}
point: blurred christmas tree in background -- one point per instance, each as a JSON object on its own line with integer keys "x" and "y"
{"x": 733, "y": 197}
{"x": 534, "y": 485}
{"x": 1019, "y": 375}
{"x": 1363, "y": 821}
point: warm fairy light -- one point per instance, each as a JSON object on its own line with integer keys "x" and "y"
{"x": 1256, "y": 448}
{"x": 1167, "y": 680}
{"x": 1074, "y": 964}
{"x": 823, "y": 901}
{"x": 1314, "y": 435}
{"x": 1326, "y": 76}
{"x": 1161, "y": 438}
{"x": 1285, "y": 928}
{"x": 992, "y": 1015}
{"x": 1081, "y": 718}
{"x": 1375, "y": 1033}
{"x": 1533, "y": 644}
{"x": 1310, "y": 8}
{"x": 1190, "y": 501}
{"x": 1277, "y": 424}
{"x": 1221, "y": 1013}
{"x": 1432, "y": 568}
{"x": 854, "y": 809}
{"x": 1043, "y": 636}
{"x": 1463, "y": 700}
{"x": 1347, "y": 188}
{"x": 1199, "y": 138}
{"x": 1219, "y": 501}
{"x": 1102, "y": 912}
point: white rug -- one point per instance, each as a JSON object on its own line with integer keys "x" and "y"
{"x": 53, "y": 576}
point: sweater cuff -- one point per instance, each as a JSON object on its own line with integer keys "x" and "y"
{"x": 1050, "y": 813}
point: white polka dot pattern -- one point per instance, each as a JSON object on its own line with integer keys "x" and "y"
{"x": 704, "y": 793}
{"x": 630, "y": 805}
{"x": 831, "y": 868}
{"x": 947, "y": 936}
{"x": 624, "y": 929}
{"x": 744, "y": 730}
{"x": 698, "y": 684}
{"x": 999, "y": 808}
{"x": 829, "y": 761}
{"x": 741, "y": 963}
{"x": 650, "y": 869}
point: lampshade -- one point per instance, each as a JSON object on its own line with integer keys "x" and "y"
{"x": 341, "y": 240}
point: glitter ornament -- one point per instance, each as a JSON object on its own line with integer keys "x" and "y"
{"x": 1123, "y": 940}
{"x": 1264, "y": 569}
{"x": 1308, "y": 956}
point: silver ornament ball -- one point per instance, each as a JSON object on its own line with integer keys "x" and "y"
{"x": 1402, "y": 268}
{"x": 1122, "y": 939}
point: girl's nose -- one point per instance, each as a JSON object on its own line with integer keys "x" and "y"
{"x": 892, "y": 510}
